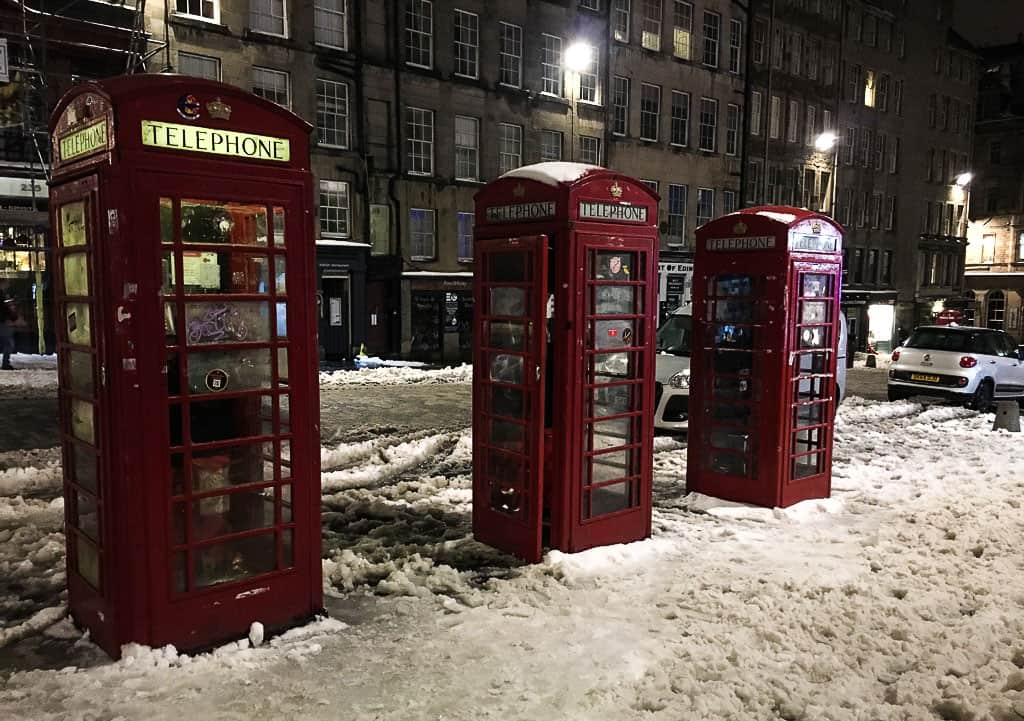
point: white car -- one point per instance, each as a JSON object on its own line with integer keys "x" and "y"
{"x": 974, "y": 366}
{"x": 672, "y": 370}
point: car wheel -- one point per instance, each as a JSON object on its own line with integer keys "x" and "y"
{"x": 982, "y": 398}
{"x": 895, "y": 395}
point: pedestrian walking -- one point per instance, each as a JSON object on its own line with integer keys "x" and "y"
{"x": 8, "y": 318}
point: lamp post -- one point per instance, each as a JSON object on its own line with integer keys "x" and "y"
{"x": 578, "y": 58}
{"x": 963, "y": 181}
{"x": 824, "y": 143}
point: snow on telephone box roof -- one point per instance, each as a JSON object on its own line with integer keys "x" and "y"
{"x": 552, "y": 173}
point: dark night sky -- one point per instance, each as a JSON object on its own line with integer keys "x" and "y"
{"x": 989, "y": 22}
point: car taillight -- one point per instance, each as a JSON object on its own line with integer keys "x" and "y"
{"x": 967, "y": 361}
{"x": 896, "y": 355}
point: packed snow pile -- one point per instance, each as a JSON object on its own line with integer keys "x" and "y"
{"x": 898, "y": 598}
{"x": 396, "y": 376}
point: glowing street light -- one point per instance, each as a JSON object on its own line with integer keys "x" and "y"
{"x": 964, "y": 179}
{"x": 578, "y": 57}
{"x": 825, "y": 142}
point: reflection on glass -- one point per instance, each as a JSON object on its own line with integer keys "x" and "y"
{"x": 88, "y": 562}
{"x": 76, "y": 274}
{"x": 813, "y": 311}
{"x": 281, "y": 320}
{"x": 83, "y": 422}
{"x": 507, "y": 334}
{"x": 170, "y": 323}
{"x": 226, "y": 467}
{"x": 507, "y": 435}
{"x": 79, "y": 323}
{"x": 206, "y": 221}
{"x": 234, "y": 513}
{"x": 732, "y": 389}
{"x": 286, "y": 503}
{"x": 609, "y": 466}
{"x": 730, "y": 414}
{"x": 284, "y": 413}
{"x": 223, "y": 419}
{"x": 731, "y": 440}
{"x": 72, "y": 224}
{"x": 508, "y": 301}
{"x": 278, "y": 226}
{"x": 506, "y": 368}
{"x": 80, "y": 372}
{"x": 728, "y": 463}
{"x": 614, "y": 334}
{"x": 225, "y": 271}
{"x": 167, "y": 273}
{"x": 228, "y": 370}
{"x": 83, "y": 463}
{"x": 166, "y": 220}
{"x": 613, "y": 265}
{"x": 227, "y": 322}
{"x": 609, "y": 434}
{"x": 506, "y": 499}
{"x": 234, "y": 560}
{"x": 810, "y": 465}
{"x": 614, "y": 300}
{"x": 809, "y": 415}
{"x": 612, "y": 400}
{"x": 732, "y": 285}
{"x": 609, "y": 499}
{"x": 509, "y": 402}
{"x": 282, "y": 366}
{"x": 809, "y": 389}
{"x": 508, "y": 268}
{"x": 815, "y": 285}
{"x": 734, "y": 311}
{"x": 809, "y": 439}
{"x": 813, "y": 336}
{"x": 617, "y": 365}
{"x": 813, "y": 362}
{"x": 740, "y": 362}
{"x": 87, "y": 515}
{"x": 729, "y": 335}
{"x": 279, "y": 274}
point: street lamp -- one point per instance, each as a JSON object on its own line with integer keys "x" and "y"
{"x": 964, "y": 179}
{"x": 963, "y": 183}
{"x": 578, "y": 58}
{"x": 824, "y": 143}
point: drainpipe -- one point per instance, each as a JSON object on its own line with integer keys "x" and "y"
{"x": 748, "y": 82}
{"x": 768, "y": 99}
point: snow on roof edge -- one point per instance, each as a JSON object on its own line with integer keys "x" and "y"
{"x": 553, "y": 172}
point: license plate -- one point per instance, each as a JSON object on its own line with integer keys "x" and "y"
{"x": 923, "y": 377}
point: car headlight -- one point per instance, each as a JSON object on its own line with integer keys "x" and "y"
{"x": 680, "y": 380}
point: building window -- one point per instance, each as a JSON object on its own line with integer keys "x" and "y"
{"x": 988, "y": 248}
{"x": 620, "y": 20}
{"x": 705, "y": 205}
{"x": 872, "y": 266}
{"x": 712, "y": 37}
{"x": 511, "y": 56}
{"x": 995, "y": 151}
{"x": 419, "y": 33}
{"x": 1020, "y": 247}
{"x": 588, "y": 81}
{"x": 272, "y": 85}
{"x": 708, "y": 125}
{"x": 651, "y": 27}
{"x": 732, "y": 129}
{"x": 869, "y": 88}
{"x": 590, "y": 4}
{"x": 897, "y": 97}
{"x": 864, "y": 217}
{"x": 464, "y": 230}
{"x": 334, "y": 209}
{"x": 729, "y": 201}
{"x": 380, "y": 229}
{"x": 996, "y": 303}
{"x": 680, "y": 118}
{"x": 854, "y": 89}
{"x": 466, "y": 43}
{"x": 203, "y": 9}
{"x": 467, "y": 148}
{"x": 590, "y": 150}
{"x": 268, "y": 16}
{"x": 422, "y": 239}
{"x": 882, "y": 96}
{"x": 419, "y": 140}
{"x": 735, "y": 45}
{"x": 755, "y": 113}
{"x": 777, "y": 46}
{"x": 858, "y": 265}
{"x": 199, "y": 66}
{"x": 876, "y": 210}
{"x": 754, "y": 182}
{"x": 886, "y": 267}
{"x": 760, "y": 35}
{"x": 650, "y": 111}
{"x": 510, "y": 147}
{"x": 330, "y": 26}
{"x": 813, "y": 58}
{"x": 682, "y": 30}
{"x": 775, "y": 117}
{"x": 551, "y": 65}
{"x": 550, "y": 145}
{"x": 894, "y": 156}
{"x": 676, "y": 215}
{"x": 620, "y": 105}
{"x": 850, "y": 146}
{"x": 332, "y": 113}
{"x": 796, "y": 54}
{"x": 865, "y": 148}
{"x": 828, "y": 65}
{"x": 793, "y": 122}
{"x": 811, "y": 126}
{"x": 652, "y": 184}
{"x": 846, "y": 207}
{"x": 890, "y": 212}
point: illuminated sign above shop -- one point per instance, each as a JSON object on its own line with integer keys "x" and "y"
{"x": 197, "y": 139}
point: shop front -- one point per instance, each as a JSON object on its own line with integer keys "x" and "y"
{"x": 24, "y": 260}
{"x": 871, "y": 321}
{"x": 341, "y": 298}
{"x": 440, "y": 316}
{"x": 675, "y": 281}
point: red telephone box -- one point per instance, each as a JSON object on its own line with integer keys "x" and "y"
{"x": 765, "y": 327}
{"x": 565, "y": 293}
{"x": 185, "y": 302}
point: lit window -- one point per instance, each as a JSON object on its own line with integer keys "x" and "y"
{"x": 332, "y": 113}
{"x": 869, "y": 88}
{"x": 590, "y": 150}
{"x": 419, "y": 139}
{"x": 467, "y": 43}
{"x": 199, "y": 66}
{"x": 650, "y": 111}
{"x": 511, "y": 56}
{"x": 419, "y": 33}
{"x": 708, "y": 125}
{"x": 467, "y": 148}
{"x": 330, "y": 27}
{"x": 422, "y": 238}
{"x": 551, "y": 65}
{"x": 272, "y": 85}
{"x": 465, "y": 237}
{"x": 334, "y": 208}
{"x": 203, "y": 9}
{"x": 510, "y": 147}
{"x": 651, "y": 37}
{"x": 682, "y": 30}
{"x": 268, "y": 16}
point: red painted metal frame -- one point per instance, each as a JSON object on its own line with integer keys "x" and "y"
{"x": 125, "y": 182}
{"x": 776, "y": 345}
{"x": 570, "y": 237}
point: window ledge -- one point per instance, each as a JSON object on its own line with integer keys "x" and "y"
{"x": 199, "y": 23}
{"x": 269, "y": 38}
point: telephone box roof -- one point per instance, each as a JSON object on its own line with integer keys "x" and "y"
{"x": 784, "y": 214}
{"x": 553, "y": 173}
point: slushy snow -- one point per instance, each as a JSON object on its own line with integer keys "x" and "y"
{"x": 898, "y": 598}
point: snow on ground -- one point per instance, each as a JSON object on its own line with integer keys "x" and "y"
{"x": 393, "y": 376}
{"x": 30, "y": 371}
{"x": 897, "y": 598}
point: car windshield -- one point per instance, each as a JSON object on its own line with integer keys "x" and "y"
{"x": 941, "y": 339}
{"x": 674, "y": 335}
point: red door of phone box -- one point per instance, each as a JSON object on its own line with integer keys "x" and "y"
{"x": 565, "y": 303}
{"x": 765, "y": 326}
{"x": 189, "y": 414}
